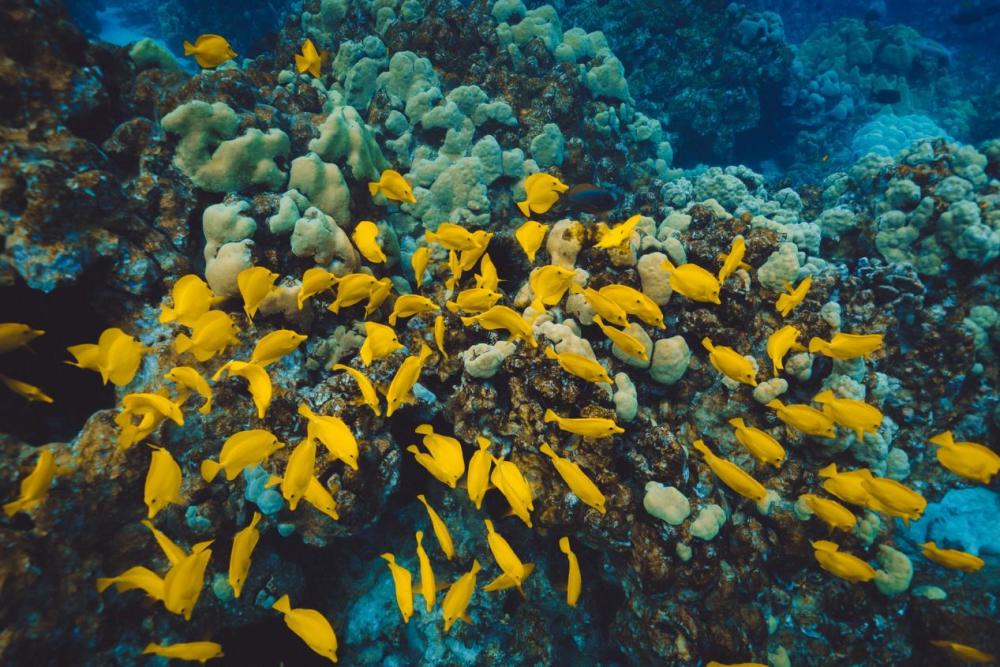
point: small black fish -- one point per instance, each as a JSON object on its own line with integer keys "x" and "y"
{"x": 589, "y": 198}
{"x": 975, "y": 14}
{"x": 886, "y": 96}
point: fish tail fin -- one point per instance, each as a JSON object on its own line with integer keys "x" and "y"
{"x": 103, "y": 583}
{"x": 824, "y": 396}
{"x": 151, "y": 647}
{"x": 575, "y": 289}
{"x": 944, "y": 439}
{"x": 12, "y": 508}
{"x": 467, "y": 321}
{"x": 828, "y": 471}
{"x": 775, "y": 404}
{"x": 451, "y": 306}
{"x": 314, "y": 69}
{"x": 182, "y": 343}
{"x": 420, "y": 537}
{"x": 550, "y": 353}
{"x": 301, "y": 64}
{"x": 424, "y": 429}
{"x": 706, "y": 343}
{"x": 599, "y": 321}
{"x": 255, "y": 519}
{"x": 525, "y": 208}
{"x": 282, "y": 604}
{"x": 476, "y": 567}
{"x": 373, "y": 188}
{"x": 736, "y": 422}
{"x": 545, "y": 449}
{"x": 388, "y": 558}
{"x": 550, "y": 416}
{"x": 489, "y": 526}
{"x": 305, "y": 411}
{"x": 189, "y": 48}
{"x": 564, "y": 545}
{"x": 700, "y": 445}
{"x": 816, "y": 344}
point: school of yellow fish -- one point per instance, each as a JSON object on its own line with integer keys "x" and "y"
{"x": 208, "y": 332}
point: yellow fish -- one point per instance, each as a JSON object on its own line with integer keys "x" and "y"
{"x": 840, "y": 563}
{"x": 452, "y": 237}
{"x": 244, "y": 542}
{"x": 275, "y": 345}
{"x": 628, "y": 343}
{"x": 14, "y": 335}
{"x": 502, "y": 317}
{"x": 184, "y": 581}
{"x": 715, "y": 663}
{"x": 419, "y": 260}
{"x": 255, "y": 284}
{"x": 894, "y": 499}
{"x": 190, "y": 380}
{"x": 577, "y": 481}
{"x": 335, "y": 435}
{"x": 29, "y": 391}
{"x": 456, "y": 600}
{"x": 36, "y": 485}
{"x": 734, "y": 259}
{"x": 209, "y": 50}
{"x": 311, "y": 626}
{"x": 831, "y": 512}
{"x": 487, "y": 278}
{"x": 618, "y": 235}
{"x": 320, "y": 497}
{"x": 135, "y": 578}
{"x": 693, "y": 282}
{"x": 602, "y": 305}
{"x": 848, "y": 486}
{"x": 509, "y": 481}
{"x": 191, "y": 651}
{"x": 365, "y": 237}
{"x": 403, "y": 582}
{"x": 211, "y": 334}
{"x": 478, "y": 480}
{"x": 393, "y": 186}
{"x": 530, "y": 236}
{"x": 455, "y": 265}
{"x": 467, "y": 258}
{"x": 427, "y": 586}
{"x": 408, "y": 305}
{"x": 541, "y": 192}
{"x": 369, "y": 396}
{"x": 310, "y": 60}
{"x": 174, "y": 553}
{"x": 730, "y": 363}
{"x": 445, "y": 461}
{"x": 299, "y": 472}
{"x": 257, "y": 379}
{"x": 380, "y": 292}
{"x": 116, "y": 356}
{"x": 732, "y": 475}
{"x": 787, "y": 302}
{"x": 857, "y": 416}
{"x": 440, "y": 529}
{"x": 476, "y": 300}
{"x": 241, "y": 450}
{"x": 779, "y": 343}
{"x": 804, "y": 418}
{"x": 759, "y": 443}
{"x": 846, "y": 346}
{"x": 549, "y": 284}
{"x": 152, "y": 410}
{"x": 588, "y": 427}
{"x": 953, "y": 558}
{"x": 351, "y": 289}
{"x": 634, "y": 302}
{"x": 163, "y": 481}
{"x": 380, "y": 342}
{"x": 574, "y": 582}
{"x": 439, "y": 335}
{"x": 965, "y": 652}
{"x": 580, "y": 366}
{"x": 506, "y": 558}
{"x": 191, "y": 297}
{"x": 407, "y": 375}
{"x": 966, "y": 459}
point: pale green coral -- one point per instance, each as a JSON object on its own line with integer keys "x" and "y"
{"x": 547, "y": 148}
{"x": 149, "y": 54}
{"x": 708, "y": 523}
{"x": 317, "y": 235}
{"x": 323, "y": 185}
{"x": 607, "y": 77}
{"x": 896, "y": 573}
{"x": 671, "y": 358}
{"x": 625, "y": 398}
{"x": 345, "y": 136}
{"x": 780, "y": 269}
{"x": 290, "y": 208}
{"x": 666, "y": 503}
{"x": 225, "y": 223}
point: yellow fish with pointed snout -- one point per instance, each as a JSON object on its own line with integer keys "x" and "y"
{"x": 365, "y": 237}
{"x": 403, "y": 582}
{"x": 502, "y": 317}
{"x": 408, "y": 305}
{"x": 625, "y": 341}
{"x": 846, "y": 346}
{"x": 255, "y": 284}
{"x": 26, "y": 390}
{"x": 831, "y": 512}
{"x": 450, "y": 236}
{"x": 730, "y": 363}
{"x": 311, "y": 627}
{"x": 15, "y": 334}
{"x": 35, "y": 486}
{"x": 310, "y": 59}
{"x": 419, "y": 260}
{"x": 510, "y": 481}
{"x": 857, "y": 416}
{"x": 588, "y": 427}
{"x": 475, "y": 300}
{"x": 840, "y": 563}
{"x": 848, "y": 486}
{"x": 185, "y": 580}
{"x": 693, "y": 281}
{"x": 634, "y": 302}
{"x": 209, "y": 50}
{"x": 964, "y": 652}
{"x": 894, "y": 498}
{"x": 794, "y": 296}
{"x": 336, "y": 436}
{"x": 241, "y": 450}
{"x": 427, "y": 586}
{"x": 530, "y": 236}
{"x": 163, "y": 481}
{"x": 759, "y": 443}
{"x": 275, "y": 345}
{"x": 456, "y": 600}
{"x": 393, "y": 186}
{"x": 440, "y": 529}
{"x": 618, "y": 235}
{"x": 574, "y": 581}
{"x": 380, "y": 342}
{"x": 580, "y": 366}
{"x": 191, "y": 651}
{"x": 314, "y": 281}
{"x": 478, "y": 480}
{"x": 212, "y": 333}
{"x": 541, "y": 193}
{"x": 577, "y": 481}
{"x": 369, "y": 396}
{"x": 732, "y": 475}
{"x": 952, "y": 558}
{"x": 734, "y": 259}
{"x": 244, "y": 542}
{"x": 804, "y": 418}
{"x": 189, "y": 380}
{"x": 970, "y": 460}
{"x": 779, "y": 343}
{"x": 401, "y": 388}
{"x": 602, "y": 305}
{"x": 506, "y": 558}
{"x": 191, "y": 298}
{"x": 258, "y": 381}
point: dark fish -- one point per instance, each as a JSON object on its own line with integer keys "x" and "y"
{"x": 886, "y": 96}
{"x": 588, "y": 197}
{"x": 975, "y": 14}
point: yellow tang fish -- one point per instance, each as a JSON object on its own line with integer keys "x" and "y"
{"x": 625, "y": 341}
{"x": 602, "y": 305}
{"x": 732, "y": 475}
{"x": 475, "y": 300}
{"x": 964, "y": 652}
{"x": 509, "y": 481}
{"x": 151, "y": 409}
{"x": 759, "y": 443}
{"x": 618, "y": 235}
{"x": 310, "y": 60}
{"x": 970, "y": 460}
{"x": 502, "y": 317}
{"x": 530, "y": 236}
{"x": 174, "y": 553}
{"x": 403, "y": 582}
{"x": 446, "y": 461}
{"x": 190, "y": 380}
{"x": 258, "y": 381}
{"x": 275, "y": 345}
{"x": 351, "y": 289}
{"x": 191, "y": 651}
{"x": 467, "y": 259}
{"x": 320, "y": 497}
{"x": 369, "y": 396}
{"x": 452, "y": 237}
{"x": 244, "y": 542}
{"x": 380, "y": 292}
{"x": 408, "y": 305}
{"x": 634, "y": 302}
{"x": 846, "y": 346}
{"x": 487, "y": 278}
{"x": 335, "y": 435}
{"x": 581, "y": 485}
{"x": 299, "y": 472}
{"x": 893, "y": 498}
{"x": 185, "y": 580}
{"x": 255, "y": 284}
{"x": 574, "y": 582}
{"x": 715, "y": 663}
{"x": 456, "y": 600}
{"x": 439, "y": 335}
{"x": 25, "y": 390}
{"x": 787, "y": 302}
{"x": 407, "y": 375}
{"x": 211, "y": 334}
{"x": 191, "y": 297}
{"x": 427, "y": 586}
{"x": 840, "y": 563}
{"x": 163, "y": 481}
{"x": 135, "y": 578}
{"x": 541, "y": 193}
{"x": 209, "y": 50}
{"x": 953, "y": 558}
{"x": 506, "y": 558}
{"x": 419, "y": 260}
{"x": 855, "y": 415}
{"x": 241, "y": 450}
{"x": 779, "y": 343}
{"x": 549, "y": 284}
{"x": 380, "y": 342}
{"x": 730, "y": 363}
{"x": 588, "y": 427}
{"x": 693, "y": 282}
{"x": 36, "y": 485}
{"x": 14, "y": 335}
{"x": 580, "y": 366}
{"x": 734, "y": 259}
{"x": 311, "y": 627}
{"x": 116, "y": 356}
{"x": 455, "y": 265}
{"x": 440, "y": 529}
{"x": 478, "y": 480}
{"x": 365, "y": 237}
{"x": 831, "y": 512}
{"x": 804, "y": 418}
{"x": 848, "y": 486}
{"x": 393, "y": 186}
